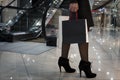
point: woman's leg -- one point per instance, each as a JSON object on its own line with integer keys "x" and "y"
{"x": 63, "y": 60}
{"x": 83, "y": 48}
{"x": 84, "y": 64}
{"x": 65, "y": 50}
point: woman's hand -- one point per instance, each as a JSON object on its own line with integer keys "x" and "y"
{"x": 73, "y": 7}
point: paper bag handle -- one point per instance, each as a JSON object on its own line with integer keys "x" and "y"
{"x": 71, "y": 16}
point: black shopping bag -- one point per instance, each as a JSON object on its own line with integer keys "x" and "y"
{"x": 74, "y": 31}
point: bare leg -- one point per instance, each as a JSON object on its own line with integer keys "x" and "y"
{"x": 83, "y": 48}
{"x": 65, "y": 50}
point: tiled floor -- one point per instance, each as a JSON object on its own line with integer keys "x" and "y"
{"x": 104, "y": 53}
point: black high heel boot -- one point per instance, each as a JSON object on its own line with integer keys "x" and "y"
{"x": 63, "y": 62}
{"x": 86, "y": 67}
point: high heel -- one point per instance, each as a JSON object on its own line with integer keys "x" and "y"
{"x": 59, "y": 67}
{"x": 85, "y": 66}
{"x": 80, "y": 72}
{"x": 63, "y": 62}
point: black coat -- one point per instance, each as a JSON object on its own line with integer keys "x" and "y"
{"x": 84, "y": 11}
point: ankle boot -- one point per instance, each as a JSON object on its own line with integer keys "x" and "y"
{"x": 64, "y": 62}
{"x": 86, "y": 68}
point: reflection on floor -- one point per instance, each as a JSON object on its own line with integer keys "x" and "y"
{"x": 104, "y": 53}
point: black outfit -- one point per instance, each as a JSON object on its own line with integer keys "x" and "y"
{"x": 84, "y": 11}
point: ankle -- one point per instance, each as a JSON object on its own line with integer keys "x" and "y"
{"x": 64, "y": 56}
{"x": 85, "y": 60}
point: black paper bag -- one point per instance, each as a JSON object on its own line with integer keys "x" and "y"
{"x": 74, "y": 31}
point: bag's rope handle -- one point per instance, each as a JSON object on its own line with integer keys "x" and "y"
{"x": 71, "y": 16}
